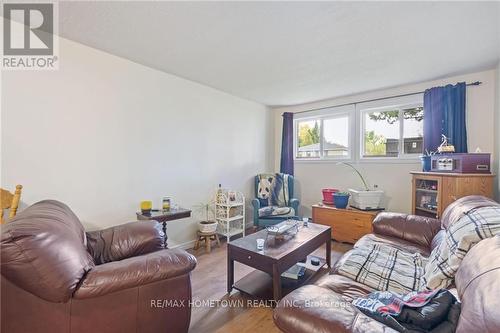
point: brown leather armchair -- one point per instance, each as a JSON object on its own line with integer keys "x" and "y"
{"x": 58, "y": 278}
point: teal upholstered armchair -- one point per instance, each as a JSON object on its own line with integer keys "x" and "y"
{"x": 274, "y": 201}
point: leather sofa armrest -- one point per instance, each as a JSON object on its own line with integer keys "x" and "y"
{"x": 412, "y": 228}
{"x": 124, "y": 241}
{"x": 315, "y": 309}
{"x": 135, "y": 272}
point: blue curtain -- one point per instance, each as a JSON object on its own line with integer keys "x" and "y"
{"x": 287, "y": 144}
{"x": 444, "y": 113}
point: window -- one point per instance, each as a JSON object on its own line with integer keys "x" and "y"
{"x": 381, "y": 129}
{"x": 381, "y": 133}
{"x": 324, "y": 136}
{"x": 392, "y": 131}
{"x": 336, "y": 137}
{"x": 413, "y": 130}
{"x": 308, "y": 138}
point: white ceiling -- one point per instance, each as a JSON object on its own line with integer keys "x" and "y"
{"x": 283, "y": 53}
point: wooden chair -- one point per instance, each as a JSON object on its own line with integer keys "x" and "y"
{"x": 9, "y": 200}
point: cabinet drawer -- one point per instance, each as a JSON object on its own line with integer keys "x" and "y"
{"x": 347, "y": 225}
{"x": 350, "y": 232}
{"x": 356, "y": 221}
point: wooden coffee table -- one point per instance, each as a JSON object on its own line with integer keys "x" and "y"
{"x": 278, "y": 256}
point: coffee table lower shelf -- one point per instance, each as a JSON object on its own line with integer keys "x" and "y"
{"x": 260, "y": 284}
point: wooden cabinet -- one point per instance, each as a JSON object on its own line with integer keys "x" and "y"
{"x": 348, "y": 225}
{"x": 432, "y": 192}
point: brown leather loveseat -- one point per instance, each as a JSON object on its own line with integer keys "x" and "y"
{"x": 325, "y": 306}
{"x": 58, "y": 278}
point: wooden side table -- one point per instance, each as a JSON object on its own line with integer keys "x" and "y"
{"x": 348, "y": 225}
{"x": 434, "y": 191}
{"x": 164, "y": 217}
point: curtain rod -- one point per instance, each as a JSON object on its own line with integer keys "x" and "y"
{"x": 378, "y": 99}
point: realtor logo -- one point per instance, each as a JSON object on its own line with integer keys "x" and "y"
{"x": 28, "y": 36}
{"x": 37, "y": 22}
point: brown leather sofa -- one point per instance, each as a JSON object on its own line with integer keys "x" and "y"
{"x": 325, "y": 306}
{"x": 58, "y": 278}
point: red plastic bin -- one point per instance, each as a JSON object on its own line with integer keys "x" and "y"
{"x": 328, "y": 194}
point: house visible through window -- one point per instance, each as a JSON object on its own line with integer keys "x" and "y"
{"x": 392, "y": 132}
{"x": 336, "y": 137}
{"x": 323, "y": 137}
{"x": 413, "y": 130}
{"x": 383, "y": 128}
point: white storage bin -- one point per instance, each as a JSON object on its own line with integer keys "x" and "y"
{"x": 366, "y": 199}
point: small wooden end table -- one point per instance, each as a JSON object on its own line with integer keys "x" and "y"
{"x": 206, "y": 237}
{"x": 277, "y": 257}
{"x": 163, "y": 217}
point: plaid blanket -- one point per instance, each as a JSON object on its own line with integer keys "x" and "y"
{"x": 384, "y": 268}
{"x": 461, "y": 236}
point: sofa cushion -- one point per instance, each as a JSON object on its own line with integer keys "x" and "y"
{"x": 315, "y": 309}
{"x": 344, "y": 286}
{"x": 270, "y": 211}
{"x": 437, "y": 239}
{"x": 415, "y": 229}
{"x": 478, "y": 286}
{"x": 43, "y": 251}
{"x": 459, "y": 207}
{"x": 462, "y": 235}
{"x": 124, "y": 241}
{"x": 397, "y": 243}
{"x": 383, "y": 268}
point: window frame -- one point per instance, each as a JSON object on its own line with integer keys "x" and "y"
{"x": 399, "y": 103}
{"x": 356, "y": 130}
{"x": 322, "y": 115}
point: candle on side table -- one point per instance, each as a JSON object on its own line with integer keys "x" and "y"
{"x": 146, "y": 206}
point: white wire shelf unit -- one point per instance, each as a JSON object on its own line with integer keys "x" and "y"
{"x": 230, "y": 213}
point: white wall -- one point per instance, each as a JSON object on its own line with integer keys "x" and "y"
{"x": 103, "y": 133}
{"x": 393, "y": 178}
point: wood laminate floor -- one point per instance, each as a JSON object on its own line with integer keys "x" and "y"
{"x": 216, "y": 311}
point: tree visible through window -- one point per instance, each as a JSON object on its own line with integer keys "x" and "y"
{"x": 382, "y": 136}
{"x": 308, "y": 135}
{"x": 324, "y": 137}
{"x": 308, "y": 139}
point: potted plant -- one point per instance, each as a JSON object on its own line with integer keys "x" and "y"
{"x": 364, "y": 199}
{"x": 341, "y": 199}
{"x": 204, "y": 210}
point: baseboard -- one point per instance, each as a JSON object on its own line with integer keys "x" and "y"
{"x": 190, "y": 244}
{"x": 184, "y": 246}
